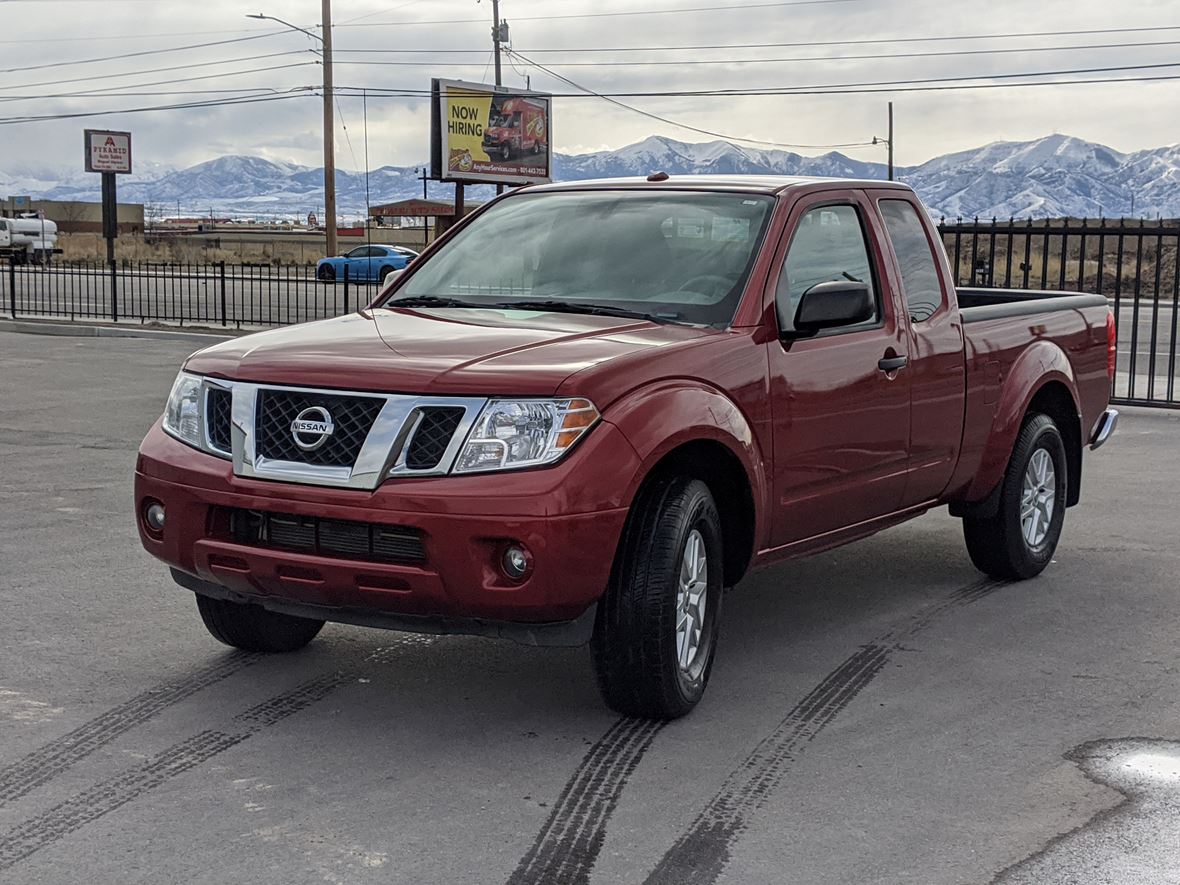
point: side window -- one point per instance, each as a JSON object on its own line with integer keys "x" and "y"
{"x": 359, "y": 252}
{"x": 829, "y": 244}
{"x": 919, "y": 277}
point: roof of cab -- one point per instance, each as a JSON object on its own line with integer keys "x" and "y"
{"x": 765, "y": 184}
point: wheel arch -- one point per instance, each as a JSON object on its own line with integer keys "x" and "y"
{"x": 1041, "y": 381}
{"x": 713, "y": 442}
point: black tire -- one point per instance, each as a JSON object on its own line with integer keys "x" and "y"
{"x": 997, "y": 544}
{"x": 325, "y": 273}
{"x": 253, "y": 628}
{"x": 506, "y": 152}
{"x": 635, "y": 642}
{"x": 386, "y": 270}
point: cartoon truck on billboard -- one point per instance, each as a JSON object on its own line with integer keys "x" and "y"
{"x": 518, "y": 128}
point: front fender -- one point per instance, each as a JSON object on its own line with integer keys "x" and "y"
{"x": 660, "y": 418}
{"x": 1039, "y": 364}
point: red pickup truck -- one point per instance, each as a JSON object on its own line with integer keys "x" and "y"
{"x": 591, "y": 407}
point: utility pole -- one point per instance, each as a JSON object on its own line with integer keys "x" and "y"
{"x": 329, "y": 133}
{"x": 496, "y": 52}
{"x": 496, "y": 36}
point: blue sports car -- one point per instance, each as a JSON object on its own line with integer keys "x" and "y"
{"x": 368, "y": 264}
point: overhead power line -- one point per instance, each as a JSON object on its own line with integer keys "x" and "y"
{"x": 99, "y": 38}
{"x": 677, "y": 123}
{"x": 8, "y": 121}
{"x": 631, "y": 12}
{"x": 124, "y": 55}
{"x": 781, "y": 60}
{"x": 206, "y": 64}
{"x": 434, "y": 53}
{"x": 101, "y": 91}
{"x": 836, "y": 89}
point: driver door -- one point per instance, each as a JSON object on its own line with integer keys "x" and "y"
{"x": 357, "y": 261}
{"x": 841, "y": 422}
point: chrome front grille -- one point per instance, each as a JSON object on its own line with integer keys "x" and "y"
{"x": 352, "y": 419}
{"x": 372, "y": 437}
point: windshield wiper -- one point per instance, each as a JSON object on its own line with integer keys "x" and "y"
{"x": 559, "y": 306}
{"x": 432, "y": 301}
{"x": 555, "y": 305}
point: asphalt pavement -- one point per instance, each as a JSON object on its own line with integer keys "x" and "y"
{"x": 877, "y": 714}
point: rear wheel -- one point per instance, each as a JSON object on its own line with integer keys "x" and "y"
{"x": 253, "y": 628}
{"x": 386, "y": 270}
{"x": 1020, "y": 539}
{"x": 656, "y": 630}
{"x": 325, "y": 273}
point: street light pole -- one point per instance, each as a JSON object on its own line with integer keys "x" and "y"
{"x": 325, "y": 39}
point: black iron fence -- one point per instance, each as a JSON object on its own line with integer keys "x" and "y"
{"x": 216, "y": 294}
{"x": 1134, "y": 264}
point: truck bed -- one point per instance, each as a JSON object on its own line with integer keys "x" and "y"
{"x": 1011, "y": 338}
{"x": 977, "y": 305}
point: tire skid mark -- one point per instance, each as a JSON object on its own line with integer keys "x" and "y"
{"x": 88, "y": 806}
{"x": 573, "y": 835}
{"x": 47, "y": 762}
{"x": 701, "y": 854}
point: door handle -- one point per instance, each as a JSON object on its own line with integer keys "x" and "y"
{"x": 892, "y": 363}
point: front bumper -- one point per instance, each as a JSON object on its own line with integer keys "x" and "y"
{"x": 569, "y": 524}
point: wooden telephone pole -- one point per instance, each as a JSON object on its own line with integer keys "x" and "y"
{"x": 329, "y": 134}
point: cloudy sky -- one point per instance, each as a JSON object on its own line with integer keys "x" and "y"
{"x": 112, "y": 52}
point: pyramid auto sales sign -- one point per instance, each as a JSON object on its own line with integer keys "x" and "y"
{"x": 108, "y": 151}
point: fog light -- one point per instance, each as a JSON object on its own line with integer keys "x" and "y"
{"x": 153, "y": 515}
{"x": 516, "y": 562}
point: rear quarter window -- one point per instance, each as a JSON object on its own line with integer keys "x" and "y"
{"x": 919, "y": 275}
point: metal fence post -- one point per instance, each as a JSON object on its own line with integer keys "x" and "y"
{"x": 346, "y": 288}
{"x": 221, "y": 275}
{"x": 114, "y": 291}
{"x": 12, "y": 285}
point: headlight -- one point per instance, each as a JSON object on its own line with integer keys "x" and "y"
{"x": 182, "y": 415}
{"x": 524, "y": 433}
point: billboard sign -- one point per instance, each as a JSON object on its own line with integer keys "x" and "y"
{"x": 107, "y": 151}
{"x": 487, "y": 133}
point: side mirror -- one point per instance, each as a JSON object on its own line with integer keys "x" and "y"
{"x": 391, "y": 276}
{"x": 833, "y": 304}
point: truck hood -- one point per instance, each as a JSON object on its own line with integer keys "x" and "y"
{"x": 437, "y": 351}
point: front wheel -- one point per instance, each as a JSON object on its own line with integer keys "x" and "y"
{"x": 253, "y": 628}
{"x": 505, "y": 153}
{"x": 325, "y": 273}
{"x": 1020, "y": 539}
{"x": 656, "y": 629}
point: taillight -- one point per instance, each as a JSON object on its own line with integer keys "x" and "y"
{"x": 1112, "y": 344}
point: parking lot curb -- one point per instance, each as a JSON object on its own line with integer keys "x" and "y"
{"x": 87, "y": 330}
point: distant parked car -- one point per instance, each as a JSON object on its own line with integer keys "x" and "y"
{"x": 365, "y": 263}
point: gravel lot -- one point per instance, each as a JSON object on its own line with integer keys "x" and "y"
{"x": 878, "y": 714}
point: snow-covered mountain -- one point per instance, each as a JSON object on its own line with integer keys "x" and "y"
{"x": 1050, "y": 177}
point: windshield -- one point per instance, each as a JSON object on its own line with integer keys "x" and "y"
{"x": 680, "y": 256}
